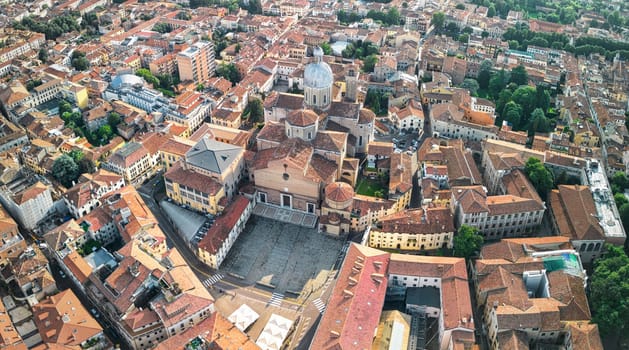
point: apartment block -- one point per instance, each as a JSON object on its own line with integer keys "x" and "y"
{"x": 196, "y": 63}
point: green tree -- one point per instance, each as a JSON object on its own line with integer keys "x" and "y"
{"x": 539, "y": 122}
{"x": 256, "y": 110}
{"x": 393, "y": 16}
{"x": 438, "y": 20}
{"x": 543, "y": 97}
{"x": 327, "y": 49}
{"x": 491, "y": 12}
{"x": 484, "y": 74}
{"x": 369, "y": 63}
{"x": 464, "y": 38}
{"x": 519, "y": 76}
{"x": 513, "y": 114}
{"x": 229, "y": 72}
{"x": 620, "y": 199}
{"x": 610, "y": 292}
{"x": 471, "y": 85}
{"x": 43, "y": 55}
{"x": 460, "y": 6}
{"x": 540, "y": 177}
{"x": 497, "y": 83}
{"x": 86, "y": 165}
{"x": 65, "y": 170}
{"x": 79, "y": 61}
{"x": 620, "y": 179}
{"x": 467, "y": 241}
{"x": 525, "y": 97}
{"x": 113, "y": 119}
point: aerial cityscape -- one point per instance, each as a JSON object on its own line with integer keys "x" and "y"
{"x": 314, "y": 174}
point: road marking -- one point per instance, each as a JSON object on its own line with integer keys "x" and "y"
{"x": 276, "y": 299}
{"x": 320, "y": 305}
{"x": 212, "y": 280}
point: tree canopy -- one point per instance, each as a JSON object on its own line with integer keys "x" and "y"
{"x": 229, "y": 72}
{"x": 438, "y": 20}
{"x": 467, "y": 241}
{"x": 540, "y": 177}
{"x": 65, "y": 170}
{"x": 610, "y": 292}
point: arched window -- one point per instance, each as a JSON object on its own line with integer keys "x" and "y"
{"x": 314, "y": 99}
{"x": 597, "y": 247}
{"x": 590, "y": 247}
{"x": 325, "y": 99}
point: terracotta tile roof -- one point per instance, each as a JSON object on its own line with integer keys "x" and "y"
{"x": 353, "y": 311}
{"x": 473, "y": 199}
{"x": 574, "y": 211}
{"x": 185, "y": 305}
{"x": 285, "y": 101}
{"x": 128, "y": 155}
{"x": 219, "y": 231}
{"x": 125, "y": 281}
{"x": 381, "y": 149}
{"x": 70, "y": 230}
{"x": 321, "y": 169}
{"x": 62, "y": 319}
{"x": 176, "y": 147}
{"x": 339, "y": 192}
{"x": 30, "y": 193}
{"x": 78, "y": 266}
{"x": 9, "y": 336}
{"x": 331, "y": 141}
{"x": 190, "y": 178}
{"x": 274, "y": 132}
{"x": 141, "y": 318}
{"x": 455, "y": 295}
{"x": 517, "y": 183}
{"x": 505, "y": 161}
{"x": 569, "y": 290}
{"x": 585, "y": 336}
{"x": 513, "y": 340}
{"x": 302, "y": 117}
{"x": 216, "y": 330}
{"x": 400, "y": 175}
{"x": 419, "y": 221}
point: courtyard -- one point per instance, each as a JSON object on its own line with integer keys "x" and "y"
{"x": 282, "y": 256}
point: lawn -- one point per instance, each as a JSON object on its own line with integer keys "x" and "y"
{"x": 368, "y": 187}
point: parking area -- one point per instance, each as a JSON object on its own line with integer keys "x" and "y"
{"x": 282, "y": 256}
{"x": 190, "y": 225}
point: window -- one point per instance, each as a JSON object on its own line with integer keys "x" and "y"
{"x": 311, "y": 208}
{"x": 262, "y": 197}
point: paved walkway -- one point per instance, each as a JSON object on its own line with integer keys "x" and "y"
{"x": 285, "y": 215}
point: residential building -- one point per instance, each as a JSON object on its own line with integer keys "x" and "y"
{"x": 221, "y": 236}
{"x": 410, "y": 117}
{"x": 216, "y": 331}
{"x": 9, "y": 336}
{"x": 532, "y": 291}
{"x": 459, "y": 163}
{"x": 188, "y": 187}
{"x": 368, "y": 276}
{"x": 13, "y": 243}
{"x": 28, "y": 200}
{"x": 133, "y": 162}
{"x": 516, "y": 213}
{"x": 414, "y": 230}
{"x": 196, "y": 63}
{"x": 497, "y": 165}
{"x": 574, "y": 216}
{"x": 85, "y": 196}
{"x": 450, "y": 121}
{"x": 61, "y": 319}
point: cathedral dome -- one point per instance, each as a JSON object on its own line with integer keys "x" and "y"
{"x": 318, "y": 74}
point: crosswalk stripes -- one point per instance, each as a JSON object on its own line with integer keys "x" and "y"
{"x": 212, "y": 280}
{"x": 320, "y": 305}
{"x": 276, "y": 299}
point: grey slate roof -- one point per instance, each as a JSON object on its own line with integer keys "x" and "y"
{"x": 212, "y": 155}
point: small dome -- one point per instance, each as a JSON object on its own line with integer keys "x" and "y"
{"x": 318, "y": 74}
{"x": 126, "y": 80}
{"x": 339, "y": 192}
{"x": 302, "y": 117}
